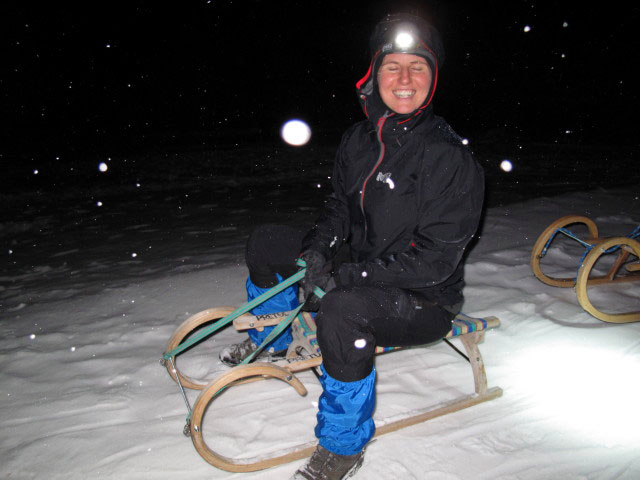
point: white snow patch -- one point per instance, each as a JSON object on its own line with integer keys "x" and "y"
{"x": 82, "y": 393}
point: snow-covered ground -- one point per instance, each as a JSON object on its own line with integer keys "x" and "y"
{"x": 90, "y": 293}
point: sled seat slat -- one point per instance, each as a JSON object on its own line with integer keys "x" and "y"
{"x": 463, "y": 324}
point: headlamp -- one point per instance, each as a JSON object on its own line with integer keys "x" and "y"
{"x": 404, "y": 41}
{"x": 405, "y": 38}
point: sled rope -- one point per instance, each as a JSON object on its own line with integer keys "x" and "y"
{"x": 241, "y": 311}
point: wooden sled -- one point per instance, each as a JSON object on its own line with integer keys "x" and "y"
{"x": 625, "y": 267}
{"x": 303, "y": 354}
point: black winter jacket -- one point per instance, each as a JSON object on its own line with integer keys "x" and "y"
{"x": 407, "y": 199}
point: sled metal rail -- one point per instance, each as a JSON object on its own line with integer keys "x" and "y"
{"x": 588, "y": 246}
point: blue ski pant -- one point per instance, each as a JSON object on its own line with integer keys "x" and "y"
{"x": 351, "y": 322}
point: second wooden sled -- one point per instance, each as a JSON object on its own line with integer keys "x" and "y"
{"x": 624, "y": 268}
{"x": 303, "y": 354}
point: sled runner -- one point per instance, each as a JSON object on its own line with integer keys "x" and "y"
{"x": 303, "y": 354}
{"x": 624, "y": 268}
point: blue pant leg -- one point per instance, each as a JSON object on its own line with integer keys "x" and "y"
{"x": 281, "y": 302}
{"x": 345, "y": 414}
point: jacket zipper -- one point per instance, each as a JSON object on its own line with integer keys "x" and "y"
{"x": 381, "y": 122}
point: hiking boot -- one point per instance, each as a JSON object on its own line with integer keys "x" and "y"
{"x": 234, "y": 354}
{"x": 326, "y": 465}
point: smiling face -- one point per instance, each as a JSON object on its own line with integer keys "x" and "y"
{"x": 404, "y": 81}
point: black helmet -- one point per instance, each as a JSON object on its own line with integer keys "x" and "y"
{"x": 405, "y": 33}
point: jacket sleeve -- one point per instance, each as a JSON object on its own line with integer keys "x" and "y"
{"x": 450, "y": 206}
{"x": 331, "y": 228}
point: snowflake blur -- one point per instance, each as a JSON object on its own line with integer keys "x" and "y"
{"x": 295, "y": 132}
{"x": 506, "y": 165}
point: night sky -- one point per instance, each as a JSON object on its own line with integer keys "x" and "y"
{"x": 107, "y": 77}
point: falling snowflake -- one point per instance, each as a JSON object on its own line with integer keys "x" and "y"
{"x": 360, "y": 343}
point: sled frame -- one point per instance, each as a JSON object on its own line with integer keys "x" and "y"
{"x": 303, "y": 354}
{"x": 625, "y": 248}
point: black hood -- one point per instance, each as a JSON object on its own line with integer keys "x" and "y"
{"x": 428, "y": 45}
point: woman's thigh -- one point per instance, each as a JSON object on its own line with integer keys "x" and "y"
{"x": 353, "y": 320}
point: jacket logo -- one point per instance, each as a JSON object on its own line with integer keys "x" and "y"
{"x": 386, "y": 178}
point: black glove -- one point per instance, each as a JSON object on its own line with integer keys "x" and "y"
{"x": 318, "y": 274}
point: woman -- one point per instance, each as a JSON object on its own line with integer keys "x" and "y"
{"x": 407, "y": 200}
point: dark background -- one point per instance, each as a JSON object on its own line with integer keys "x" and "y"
{"x": 87, "y": 81}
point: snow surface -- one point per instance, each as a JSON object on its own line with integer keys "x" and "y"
{"x": 90, "y": 294}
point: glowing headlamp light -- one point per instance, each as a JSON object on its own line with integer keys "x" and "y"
{"x": 404, "y": 41}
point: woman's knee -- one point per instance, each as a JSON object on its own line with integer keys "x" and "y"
{"x": 272, "y": 249}
{"x": 259, "y": 241}
{"x": 345, "y": 338}
{"x": 344, "y": 308}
